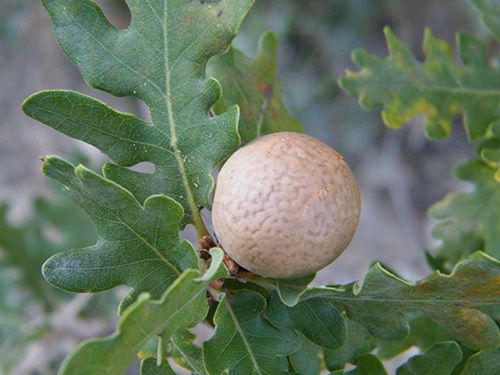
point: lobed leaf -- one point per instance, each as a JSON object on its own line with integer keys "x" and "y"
{"x": 436, "y": 88}
{"x": 440, "y": 359}
{"x": 253, "y": 84}
{"x": 182, "y": 305}
{"x": 137, "y": 245}
{"x": 455, "y": 301}
{"x": 466, "y": 223}
{"x": 160, "y": 58}
{"x": 244, "y": 342}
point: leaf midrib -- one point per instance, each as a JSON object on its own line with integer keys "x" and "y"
{"x": 187, "y": 358}
{"x": 172, "y": 123}
{"x": 243, "y": 337}
{"x": 135, "y": 233}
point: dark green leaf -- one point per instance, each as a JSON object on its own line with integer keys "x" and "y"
{"x": 254, "y": 86}
{"x": 137, "y": 246}
{"x": 150, "y": 367}
{"x": 316, "y": 318}
{"x": 244, "y": 342}
{"x": 437, "y": 88}
{"x": 440, "y": 359}
{"x": 490, "y": 13}
{"x": 468, "y": 222}
{"x": 483, "y": 363}
{"x": 366, "y": 364}
{"x": 182, "y": 305}
{"x": 160, "y": 58}
{"x": 358, "y": 342}
{"x": 306, "y": 359}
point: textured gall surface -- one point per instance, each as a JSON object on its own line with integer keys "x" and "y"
{"x": 285, "y": 205}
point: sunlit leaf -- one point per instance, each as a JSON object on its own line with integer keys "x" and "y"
{"x": 436, "y": 88}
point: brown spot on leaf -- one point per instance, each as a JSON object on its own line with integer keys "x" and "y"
{"x": 425, "y": 287}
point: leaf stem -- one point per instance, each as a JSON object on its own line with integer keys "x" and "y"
{"x": 199, "y": 225}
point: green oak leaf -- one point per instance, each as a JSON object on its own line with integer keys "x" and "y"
{"x": 137, "y": 245}
{"x": 483, "y": 363}
{"x": 160, "y": 58}
{"x": 440, "y": 359}
{"x": 469, "y": 221}
{"x": 490, "y": 13}
{"x": 253, "y": 84}
{"x": 185, "y": 352}
{"x": 244, "y": 342}
{"x": 306, "y": 359}
{"x": 436, "y": 88}
{"x": 453, "y": 300}
{"x": 182, "y": 305}
{"x": 358, "y": 342}
{"x": 150, "y": 367}
{"x": 365, "y": 364}
{"x": 316, "y": 318}
{"x": 450, "y": 300}
{"x": 424, "y": 332}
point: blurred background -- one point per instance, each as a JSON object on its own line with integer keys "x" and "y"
{"x": 400, "y": 173}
